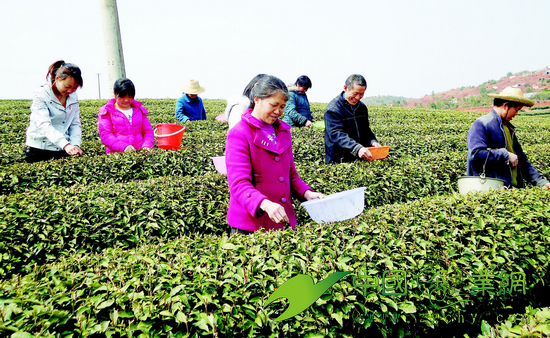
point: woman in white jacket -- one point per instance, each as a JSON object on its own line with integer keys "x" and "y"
{"x": 237, "y": 105}
{"x": 54, "y": 130}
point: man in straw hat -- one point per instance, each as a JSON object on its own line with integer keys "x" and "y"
{"x": 493, "y": 147}
{"x": 189, "y": 107}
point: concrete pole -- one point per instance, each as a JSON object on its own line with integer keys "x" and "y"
{"x": 98, "y": 86}
{"x": 113, "y": 42}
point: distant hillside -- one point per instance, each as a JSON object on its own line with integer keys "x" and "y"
{"x": 535, "y": 85}
{"x": 385, "y": 100}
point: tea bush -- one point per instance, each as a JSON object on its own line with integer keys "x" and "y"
{"x": 532, "y": 323}
{"x": 37, "y": 228}
{"x": 33, "y": 233}
{"x": 217, "y": 285}
{"x": 136, "y": 244}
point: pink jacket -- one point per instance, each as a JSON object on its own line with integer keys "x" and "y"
{"x": 258, "y": 169}
{"x": 117, "y": 133}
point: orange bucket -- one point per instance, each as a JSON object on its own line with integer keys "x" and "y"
{"x": 169, "y": 135}
{"x": 379, "y": 153}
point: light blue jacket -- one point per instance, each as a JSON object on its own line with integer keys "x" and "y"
{"x": 53, "y": 126}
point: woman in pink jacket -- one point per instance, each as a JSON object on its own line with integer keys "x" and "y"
{"x": 260, "y": 164}
{"x": 123, "y": 124}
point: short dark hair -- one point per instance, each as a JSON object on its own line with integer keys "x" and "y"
{"x": 123, "y": 87}
{"x": 303, "y": 81}
{"x": 64, "y": 70}
{"x": 356, "y": 79}
{"x": 512, "y": 104}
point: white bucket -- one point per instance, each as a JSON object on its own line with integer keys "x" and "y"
{"x": 337, "y": 207}
{"x": 468, "y": 184}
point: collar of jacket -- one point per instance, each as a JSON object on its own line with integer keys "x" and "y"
{"x": 110, "y": 107}
{"x": 502, "y": 121}
{"x": 71, "y": 99}
{"x": 294, "y": 89}
{"x": 260, "y": 139}
{"x": 346, "y": 103}
{"x": 189, "y": 100}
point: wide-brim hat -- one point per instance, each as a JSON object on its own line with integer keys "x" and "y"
{"x": 514, "y": 95}
{"x": 193, "y": 87}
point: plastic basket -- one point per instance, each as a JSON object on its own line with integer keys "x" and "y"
{"x": 169, "y": 136}
{"x": 337, "y": 207}
{"x": 379, "y": 153}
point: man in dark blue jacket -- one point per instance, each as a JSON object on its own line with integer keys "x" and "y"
{"x": 347, "y": 129}
{"x": 493, "y": 147}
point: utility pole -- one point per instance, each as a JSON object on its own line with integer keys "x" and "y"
{"x": 98, "y": 86}
{"x": 113, "y": 41}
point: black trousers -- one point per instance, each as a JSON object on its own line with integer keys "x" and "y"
{"x": 37, "y": 155}
{"x": 240, "y": 231}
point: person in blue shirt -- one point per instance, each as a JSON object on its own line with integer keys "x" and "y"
{"x": 297, "y": 112}
{"x": 189, "y": 107}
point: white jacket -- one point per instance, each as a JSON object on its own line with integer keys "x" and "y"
{"x": 53, "y": 126}
{"x": 235, "y": 108}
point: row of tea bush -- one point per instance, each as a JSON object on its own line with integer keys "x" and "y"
{"x": 218, "y": 285}
{"x": 136, "y": 244}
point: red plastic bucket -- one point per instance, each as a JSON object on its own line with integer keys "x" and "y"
{"x": 169, "y": 136}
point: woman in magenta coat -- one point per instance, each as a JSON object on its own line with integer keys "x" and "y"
{"x": 260, "y": 165}
{"x": 123, "y": 124}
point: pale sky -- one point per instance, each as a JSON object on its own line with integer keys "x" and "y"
{"x": 402, "y": 47}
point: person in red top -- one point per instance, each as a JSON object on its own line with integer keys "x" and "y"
{"x": 260, "y": 165}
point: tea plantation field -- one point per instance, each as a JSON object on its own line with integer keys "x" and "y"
{"x": 137, "y": 245}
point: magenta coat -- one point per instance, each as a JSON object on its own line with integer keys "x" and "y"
{"x": 117, "y": 133}
{"x": 258, "y": 169}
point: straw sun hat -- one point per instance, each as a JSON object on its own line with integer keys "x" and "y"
{"x": 193, "y": 87}
{"x": 514, "y": 95}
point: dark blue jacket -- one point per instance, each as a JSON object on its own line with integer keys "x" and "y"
{"x": 347, "y": 130}
{"x": 297, "y": 111}
{"x": 487, "y": 144}
{"x": 190, "y": 109}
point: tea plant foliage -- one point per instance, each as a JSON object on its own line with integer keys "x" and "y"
{"x": 138, "y": 245}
